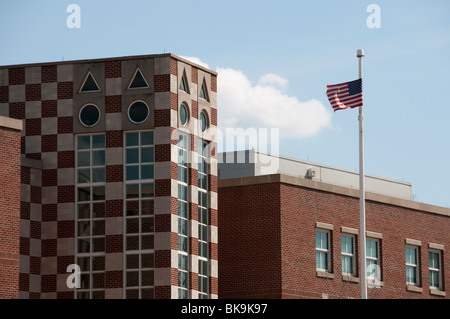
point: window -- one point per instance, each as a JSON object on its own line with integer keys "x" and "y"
{"x": 138, "y": 81}
{"x": 184, "y": 114}
{"x": 435, "y": 269}
{"x": 323, "y": 250}
{"x": 139, "y": 215}
{"x": 138, "y": 112}
{"x": 204, "y": 121}
{"x": 90, "y": 215}
{"x": 184, "y": 83}
{"x": 412, "y": 265}
{"x": 203, "y": 220}
{"x": 372, "y": 258}
{"x": 348, "y": 254}
{"x": 183, "y": 239}
{"x": 89, "y": 84}
{"x": 204, "y": 92}
{"x": 89, "y": 115}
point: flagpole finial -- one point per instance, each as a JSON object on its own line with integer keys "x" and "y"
{"x": 360, "y": 53}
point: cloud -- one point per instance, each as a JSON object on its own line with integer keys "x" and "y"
{"x": 264, "y": 105}
{"x": 195, "y": 60}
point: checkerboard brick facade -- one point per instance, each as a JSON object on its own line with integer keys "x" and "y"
{"x": 269, "y": 251}
{"x": 47, "y": 98}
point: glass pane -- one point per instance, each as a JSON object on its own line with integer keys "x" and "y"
{"x": 182, "y": 226}
{"x": 182, "y": 243}
{"x": 83, "y": 262}
{"x": 147, "y": 207}
{"x": 138, "y": 112}
{"x": 84, "y": 142}
{"x": 84, "y": 278}
{"x": 84, "y": 245}
{"x": 132, "y": 261}
{"x": 98, "y": 228}
{"x": 98, "y": 263}
{"x": 148, "y": 294}
{"x": 182, "y": 209}
{"x": 147, "y": 242}
{"x": 147, "y": 225}
{"x": 183, "y": 113}
{"x": 132, "y": 156}
{"x": 147, "y": 278}
{"x": 99, "y": 210}
{"x": 132, "y": 294}
{"x": 147, "y": 155}
{"x": 132, "y": 173}
{"x": 98, "y": 141}
{"x": 99, "y": 244}
{"x": 84, "y": 194}
{"x": 98, "y": 294}
{"x": 147, "y": 172}
{"x": 132, "y": 242}
{"x": 98, "y": 193}
{"x": 98, "y": 158}
{"x": 98, "y": 280}
{"x": 182, "y": 262}
{"x": 147, "y": 138}
{"x": 133, "y": 191}
{"x": 148, "y": 190}
{"x": 132, "y": 208}
{"x": 318, "y": 243}
{"x": 182, "y": 279}
{"x": 84, "y": 228}
{"x": 83, "y": 295}
{"x": 84, "y": 211}
{"x": 84, "y": 175}
{"x": 148, "y": 261}
{"x": 132, "y": 278}
{"x": 89, "y": 115}
{"x": 132, "y": 225}
{"x": 84, "y": 159}
{"x": 132, "y": 139}
{"x": 98, "y": 175}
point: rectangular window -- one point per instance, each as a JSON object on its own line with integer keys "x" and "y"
{"x": 412, "y": 265}
{"x": 372, "y": 258}
{"x": 139, "y": 228}
{"x": 348, "y": 254}
{"x": 435, "y": 269}
{"x": 183, "y": 214}
{"x": 90, "y": 215}
{"x": 323, "y": 250}
{"x": 203, "y": 219}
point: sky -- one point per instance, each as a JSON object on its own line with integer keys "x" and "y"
{"x": 274, "y": 60}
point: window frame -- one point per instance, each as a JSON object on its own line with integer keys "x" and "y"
{"x": 438, "y": 270}
{"x": 376, "y": 259}
{"x": 352, "y": 255}
{"x": 81, "y": 110}
{"x": 415, "y": 266}
{"x": 129, "y": 108}
{"x": 327, "y": 251}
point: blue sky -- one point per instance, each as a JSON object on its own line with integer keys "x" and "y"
{"x": 282, "y": 54}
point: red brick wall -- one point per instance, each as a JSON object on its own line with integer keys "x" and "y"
{"x": 9, "y": 213}
{"x": 249, "y": 237}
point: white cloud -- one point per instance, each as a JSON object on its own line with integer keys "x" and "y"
{"x": 264, "y": 105}
{"x": 195, "y": 60}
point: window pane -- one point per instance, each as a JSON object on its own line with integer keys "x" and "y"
{"x": 132, "y": 278}
{"x": 98, "y": 158}
{"x": 147, "y": 207}
{"x": 98, "y": 263}
{"x": 147, "y": 138}
{"x": 133, "y": 191}
{"x": 99, "y": 244}
{"x": 84, "y": 245}
{"x": 132, "y": 225}
{"x": 98, "y": 141}
{"x": 84, "y": 211}
{"x": 98, "y": 175}
{"x": 182, "y": 226}
{"x": 148, "y": 294}
{"x": 132, "y": 242}
{"x": 147, "y": 225}
{"x": 147, "y": 242}
{"x": 84, "y": 159}
{"x": 84, "y": 194}
{"x": 84, "y": 228}
{"x": 132, "y": 208}
{"x": 84, "y": 142}
{"x": 98, "y": 280}
{"x": 147, "y": 172}
{"x": 148, "y": 261}
{"x": 182, "y": 262}
{"x": 147, "y": 278}
{"x": 132, "y": 139}
{"x": 132, "y": 294}
{"x": 132, "y": 156}
{"x": 132, "y": 261}
{"x": 99, "y": 210}
{"x": 84, "y": 175}
{"x": 98, "y": 193}
{"x": 148, "y": 190}
{"x": 99, "y": 227}
{"x": 147, "y": 155}
{"x": 132, "y": 173}
{"x": 84, "y": 263}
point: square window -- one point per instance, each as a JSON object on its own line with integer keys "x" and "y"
{"x": 132, "y": 173}
{"x": 132, "y": 156}
{"x": 147, "y": 172}
{"x": 98, "y": 141}
{"x": 83, "y": 142}
{"x": 84, "y": 159}
{"x": 132, "y": 139}
{"x": 147, "y": 138}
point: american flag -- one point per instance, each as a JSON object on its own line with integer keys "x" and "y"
{"x": 344, "y": 95}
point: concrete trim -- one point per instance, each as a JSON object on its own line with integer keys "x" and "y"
{"x": 350, "y": 278}
{"x": 372, "y": 234}
{"x": 414, "y": 288}
{"x": 324, "y": 226}
{"x": 349, "y": 230}
{"x": 413, "y": 242}
{"x": 324, "y": 274}
{"x": 436, "y": 246}
{"x": 31, "y": 163}
{"x": 335, "y": 189}
{"x": 437, "y": 292}
{"x": 11, "y": 123}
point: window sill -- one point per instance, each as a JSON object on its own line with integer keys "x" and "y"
{"x": 350, "y": 278}
{"x": 437, "y": 292}
{"x": 324, "y": 274}
{"x": 414, "y": 288}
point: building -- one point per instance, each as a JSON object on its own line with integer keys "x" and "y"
{"x": 290, "y": 229}
{"x": 110, "y": 178}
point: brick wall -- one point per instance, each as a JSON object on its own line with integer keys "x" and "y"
{"x": 9, "y": 212}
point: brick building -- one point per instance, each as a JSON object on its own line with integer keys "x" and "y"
{"x": 119, "y": 176}
{"x": 10, "y": 130}
{"x": 290, "y": 229}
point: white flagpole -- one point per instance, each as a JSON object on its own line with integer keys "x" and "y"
{"x": 362, "y": 208}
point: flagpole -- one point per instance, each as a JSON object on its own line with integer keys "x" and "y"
{"x": 362, "y": 208}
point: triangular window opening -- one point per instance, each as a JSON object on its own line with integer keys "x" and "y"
{"x": 138, "y": 81}
{"x": 184, "y": 84}
{"x": 89, "y": 84}
{"x": 204, "y": 92}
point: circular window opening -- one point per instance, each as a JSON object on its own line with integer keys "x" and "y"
{"x": 138, "y": 112}
{"x": 203, "y": 121}
{"x": 183, "y": 114}
{"x": 89, "y": 115}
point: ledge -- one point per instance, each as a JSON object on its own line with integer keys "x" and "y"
{"x": 324, "y": 274}
{"x": 350, "y": 278}
{"x": 414, "y": 288}
{"x": 437, "y": 292}
{"x": 11, "y": 123}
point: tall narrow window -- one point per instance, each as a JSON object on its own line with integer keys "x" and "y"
{"x": 435, "y": 269}
{"x": 348, "y": 254}
{"x": 183, "y": 239}
{"x": 139, "y": 215}
{"x": 203, "y": 257}
{"x": 412, "y": 265}
{"x": 372, "y": 258}
{"x": 184, "y": 86}
{"x": 323, "y": 250}
{"x": 90, "y": 215}
{"x": 204, "y": 92}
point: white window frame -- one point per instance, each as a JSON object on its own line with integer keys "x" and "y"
{"x": 327, "y": 251}
{"x": 375, "y": 259}
{"x": 352, "y": 255}
{"x": 414, "y": 266}
{"x": 433, "y": 269}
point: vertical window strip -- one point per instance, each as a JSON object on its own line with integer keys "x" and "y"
{"x": 183, "y": 239}
{"x": 139, "y": 224}
{"x": 90, "y": 215}
{"x": 372, "y": 257}
{"x": 322, "y": 250}
{"x": 203, "y": 257}
{"x": 411, "y": 254}
{"x": 348, "y": 254}
{"x": 435, "y": 269}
